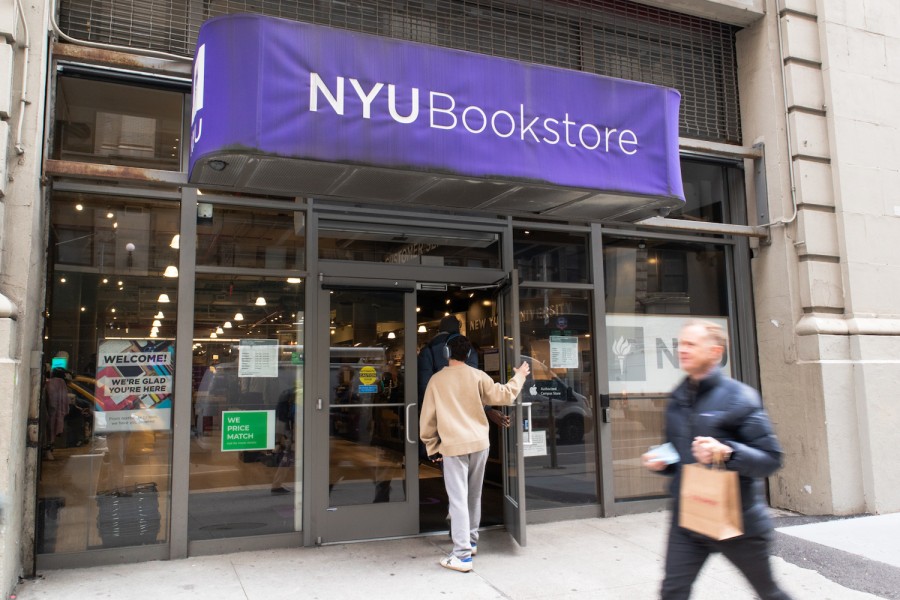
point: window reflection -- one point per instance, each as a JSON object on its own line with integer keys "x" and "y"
{"x": 108, "y": 391}
{"x": 651, "y": 288}
{"x": 556, "y": 335}
{"x": 552, "y": 256}
{"x": 248, "y": 361}
{"x": 91, "y": 125}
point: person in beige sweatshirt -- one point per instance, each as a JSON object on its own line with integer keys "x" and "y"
{"x": 454, "y": 429}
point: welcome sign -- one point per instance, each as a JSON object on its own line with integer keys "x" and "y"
{"x": 274, "y": 87}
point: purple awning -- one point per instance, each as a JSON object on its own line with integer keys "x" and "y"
{"x": 295, "y": 108}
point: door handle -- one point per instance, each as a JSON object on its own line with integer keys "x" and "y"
{"x": 527, "y": 428}
{"x": 408, "y": 428}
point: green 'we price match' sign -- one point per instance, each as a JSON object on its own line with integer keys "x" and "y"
{"x": 248, "y": 430}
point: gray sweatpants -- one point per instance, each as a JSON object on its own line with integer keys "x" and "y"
{"x": 464, "y": 478}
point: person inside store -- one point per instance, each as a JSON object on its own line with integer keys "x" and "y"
{"x": 454, "y": 428}
{"x": 710, "y": 417}
{"x": 56, "y": 409}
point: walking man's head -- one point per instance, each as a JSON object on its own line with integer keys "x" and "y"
{"x": 701, "y": 346}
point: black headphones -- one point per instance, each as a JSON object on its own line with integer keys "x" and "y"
{"x": 447, "y": 348}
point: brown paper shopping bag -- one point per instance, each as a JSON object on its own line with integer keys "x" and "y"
{"x": 710, "y": 502}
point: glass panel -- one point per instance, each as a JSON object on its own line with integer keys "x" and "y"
{"x": 92, "y": 124}
{"x": 108, "y": 393}
{"x": 705, "y": 192}
{"x": 408, "y": 245}
{"x": 252, "y": 238}
{"x": 651, "y": 288}
{"x": 247, "y": 407}
{"x": 560, "y": 467}
{"x": 367, "y": 420}
{"x": 552, "y": 256}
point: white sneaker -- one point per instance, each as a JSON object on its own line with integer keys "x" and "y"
{"x": 474, "y": 549}
{"x": 457, "y": 564}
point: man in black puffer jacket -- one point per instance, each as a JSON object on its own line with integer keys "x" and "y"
{"x": 711, "y": 415}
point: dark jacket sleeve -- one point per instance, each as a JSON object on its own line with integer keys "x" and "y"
{"x": 757, "y": 452}
{"x": 425, "y": 369}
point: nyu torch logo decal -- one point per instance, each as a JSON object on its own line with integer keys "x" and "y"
{"x": 621, "y": 348}
{"x": 199, "y": 71}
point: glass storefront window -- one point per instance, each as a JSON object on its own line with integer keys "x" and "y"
{"x": 652, "y": 287}
{"x": 251, "y": 238}
{"x": 248, "y": 361}
{"x": 560, "y": 466}
{"x": 705, "y": 192}
{"x": 93, "y": 125}
{"x": 552, "y": 256}
{"x": 109, "y": 354}
{"x": 408, "y": 245}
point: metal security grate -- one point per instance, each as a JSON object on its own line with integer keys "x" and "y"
{"x": 610, "y": 37}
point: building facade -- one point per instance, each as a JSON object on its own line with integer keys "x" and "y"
{"x": 204, "y": 353}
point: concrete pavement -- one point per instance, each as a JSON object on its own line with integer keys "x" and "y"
{"x": 616, "y": 559}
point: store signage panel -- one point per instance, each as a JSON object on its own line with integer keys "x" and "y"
{"x": 642, "y": 352}
{"x": 272, "y": 87}
{"x": 134, "y": 385}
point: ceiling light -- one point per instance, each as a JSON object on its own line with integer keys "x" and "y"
{"x": 227, "y": 325}
{"x": 157, "y": 323}
{"x": 154, "y": 330}
{"x": 213, "y": 335}
{"x": 159, "y": 315}
{"x": 260, "y": 301}
{"x": 238, "y": 317}
{"x": 163, "y": 298}
{"x": 176, "y": 241}
{"x": 153, "y": 335}
{"x": 294, "y": 280}
{"x": 219, "y": 330}
{"x": 79, "y": 207}
{"x": 109, "y": 215}
{"x": 171, "y": 271}
{"x": 392, "y": 336}
{"x": 422, "y": 329}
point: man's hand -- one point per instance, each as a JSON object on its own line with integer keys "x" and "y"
{"x": 497, "y": 417}
{"x": 706, "y": 449}
{"x": 436, "y": 457}
{"x": 523, "y": 369}
{"x": 652, "y": 462}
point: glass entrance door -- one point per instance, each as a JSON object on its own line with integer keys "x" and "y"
{"x": 368, "y": 410}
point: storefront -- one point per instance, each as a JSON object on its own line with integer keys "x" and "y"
{"x": 236, "y": 299}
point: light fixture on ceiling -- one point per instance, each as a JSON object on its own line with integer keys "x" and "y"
{"x": 157, "y": 323}
{"x": 392, "y": 336}
{"x": 227, "y": 325}
{"x": 153, "y": 335}
{"x": 294, "y": 280}
{"x": 163, "y": 298}
{"x": 171, "y": 271}
{"x": 213, "y": 334}
{"x": 260, "y": 300}
{"x": 238, "y": 317}
{"x": 176, "y": 241}
{"x": 154, "y": 330}
{"x": 422, "y": 329}
{"x": 159, "y": 315}
{"x": 219, "y": 330}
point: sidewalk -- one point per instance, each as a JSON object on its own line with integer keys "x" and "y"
{"x": 619, "y": 558}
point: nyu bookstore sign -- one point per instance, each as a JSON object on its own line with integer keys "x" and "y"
{"x": 271, "y": 87}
